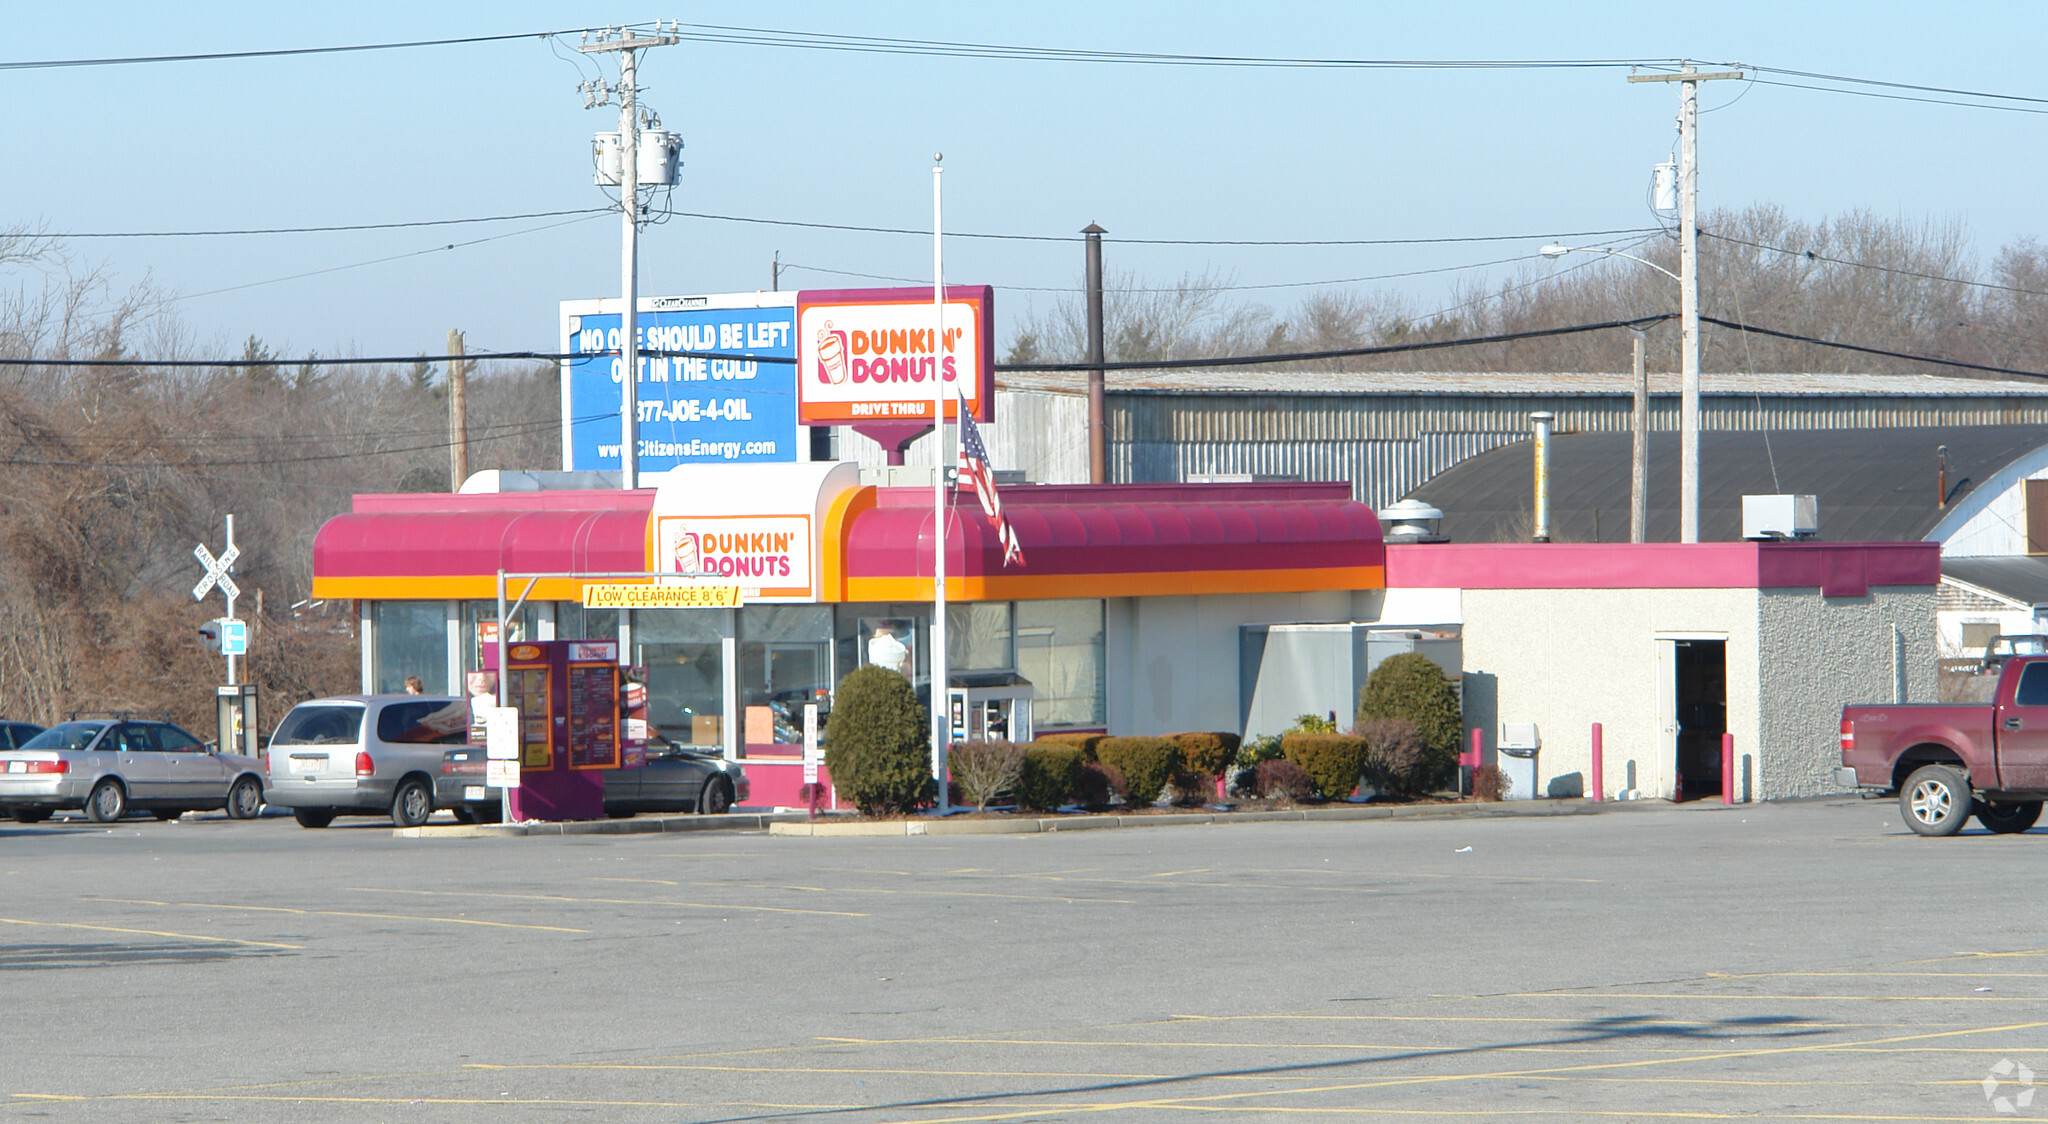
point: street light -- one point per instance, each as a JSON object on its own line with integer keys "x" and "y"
{"x": 1689, "y": 390}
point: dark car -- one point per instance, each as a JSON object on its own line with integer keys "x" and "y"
{"x": 14, "y": 734}
{"x": 676, "y": 778}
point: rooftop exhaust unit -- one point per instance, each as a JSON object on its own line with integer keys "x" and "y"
{"x": 1411, "y": 520}
{"x": 1780, "y": 517}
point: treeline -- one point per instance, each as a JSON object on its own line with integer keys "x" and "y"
{"x": 109, "y": 475}
{"x": 1858, "y": 279}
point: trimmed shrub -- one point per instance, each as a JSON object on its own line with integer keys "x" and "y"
{"x": 1146, "y": 763}
{"x": 1413, "y": 687}
{"x": 1396, "y": 757}
{"x": 985, "y": 771}
{"x": 1052, "y": 775}
{"x": 877, "y": 744}
{"x": 1259, "y": 749}
{"x": 1207, "y": 754}
{"x": 1097, "y": 783}
{"x": 1281, "y": 779}
{"x": 1190, "y": 790}
{"x": 1334, "y": 762}
{"x": 1086, "y": 743}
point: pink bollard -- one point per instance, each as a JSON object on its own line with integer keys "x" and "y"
{"x": 1727, "y": 768}
{"x": 1596, "y": 788}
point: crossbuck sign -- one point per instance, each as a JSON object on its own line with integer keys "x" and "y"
{"x": 218, "y": 575}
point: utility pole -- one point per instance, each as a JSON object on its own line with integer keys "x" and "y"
{"x": 1098, "y": 442}
{"x": 775, "y": 273}
{"x": 1639, "y": 447}
{"x": 628, "y": 44}
{"x": 458, "y": 413}
{"x": 1688, "y": 78}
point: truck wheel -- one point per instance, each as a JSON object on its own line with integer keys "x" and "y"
{"x": 2008, "y": 819}
{"x": 1935, "y": 800}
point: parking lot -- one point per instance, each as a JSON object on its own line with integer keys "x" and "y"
{"x": 1807, "y": 961}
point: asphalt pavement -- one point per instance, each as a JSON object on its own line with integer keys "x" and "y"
{"x": 1798, "y": 962}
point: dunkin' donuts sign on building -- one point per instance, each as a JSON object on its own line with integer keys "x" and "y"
{"x": 768, "y": 556}
{"x": 871, "y": 354}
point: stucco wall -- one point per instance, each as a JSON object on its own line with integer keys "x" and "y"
{"x": 1820, "y": 654}
{"x": 1173, "y": 661}
{"x": 1567, "y": 658}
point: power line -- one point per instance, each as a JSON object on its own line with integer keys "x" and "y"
{"x": 1184, "y": 288}
{"x": 1796, "y": 338}
{"x": 216, "y": 56}
{"x": 1896, "y": 85}
{"x": 1338, "y": 353}
{"x": 387, "y": 360}
{"x": 324, "y": 229}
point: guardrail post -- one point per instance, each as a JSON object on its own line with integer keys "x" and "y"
{"x": 1596, "y": 772}
{"x": 1727, "y": 768}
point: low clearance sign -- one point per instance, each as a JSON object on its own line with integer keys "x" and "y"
{"x": 867, "y": 355}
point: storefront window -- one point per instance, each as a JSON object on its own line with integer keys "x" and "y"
{"x": 684, "y": 653}
{"x": 785, "y": 662}
{"x": 412, "y": 639}
{"x": 1060, "y": 650}
{"x": 978, "y": 637}
{"x": 479, "y": 628}
{"x": 574, "y": 622}
{"x": 887, "y": 633}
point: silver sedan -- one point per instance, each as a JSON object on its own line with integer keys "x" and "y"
{"x": 111, "y": 767}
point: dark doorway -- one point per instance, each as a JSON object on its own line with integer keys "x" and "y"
{"x": 1702, "y": 697}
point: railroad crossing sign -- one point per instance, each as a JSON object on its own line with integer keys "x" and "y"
{"x": 217, "y": 573}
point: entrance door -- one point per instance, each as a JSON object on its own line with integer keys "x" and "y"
{"x": 1700, "y": 694}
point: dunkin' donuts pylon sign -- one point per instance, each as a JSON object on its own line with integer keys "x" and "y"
{"x": 867, "y": 355}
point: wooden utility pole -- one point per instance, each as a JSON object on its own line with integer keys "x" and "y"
{"x": 458, "y": 413}
{"x": 1639, "y": 452}
{"x": 1098, "y": 440}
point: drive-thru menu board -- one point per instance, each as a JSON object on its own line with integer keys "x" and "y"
{"x": 527, "y": 692}
{"x": 594, "y": 715}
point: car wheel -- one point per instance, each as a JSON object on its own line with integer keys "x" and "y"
{"x": 29, "y": 815}
{"x": 245, "y": 799}
{"x": 717, "y": 798}
{"x": 463, "y": 814}
{"x": 2008, "y": 819}
{"x": 618, "y": 814}
{"x": 166, "y": 815}
{"x": 412, "y": 803}
{"x": 108, "y": 802}
{"x": 1935, "y": 800}
{"x": 313, "y": 817}
{"x": 487, "y": 813}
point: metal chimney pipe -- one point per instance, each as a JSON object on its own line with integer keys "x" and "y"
{"x": 1542, "y": 419}
{"x": 1941, "y": 476}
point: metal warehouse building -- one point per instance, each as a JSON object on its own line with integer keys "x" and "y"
{"x": 1388, "y": 432}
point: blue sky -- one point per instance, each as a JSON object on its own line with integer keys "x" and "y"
{"x": 1034, "y": 148}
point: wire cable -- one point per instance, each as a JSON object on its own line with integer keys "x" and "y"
{"x": 327, "y": 229}
{"x": 1796, "y": 338}
{"x": 1812, "y": 256}
{"x": 216, "y": 56}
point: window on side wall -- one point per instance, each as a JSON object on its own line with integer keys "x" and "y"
{"x": 411, "y": 639}
{"x": 1059, "y": 647}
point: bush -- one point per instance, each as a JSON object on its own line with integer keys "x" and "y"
{"x": 877, "y": 745}
{"x": 1146, "y": 763}
{"x": 1489, "y": 782}
{"x": 1097, "y": 783}
{"x": 1190, "y": 790}
{"x": 1281, "y": 779}
{"x": 985, "y": 771}
{"x": 1259, "y": 749}
{"x": 1206, "y": 754}
{"x": 1313, "y": 724}
{"x": 1413, "y": 687}
{"x": 1052, "y": 775}
{"x": 1085, "y": 742}
{"x": 1396, "y": 757}
{"x": 1333, "y": 762}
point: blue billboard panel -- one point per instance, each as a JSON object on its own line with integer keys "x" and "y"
{"x": 692, "y": 410}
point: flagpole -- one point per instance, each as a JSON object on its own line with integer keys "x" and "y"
{"x": 941, "y": 695}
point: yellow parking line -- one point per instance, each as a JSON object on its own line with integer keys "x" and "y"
{"x": 149, "y": 933}
{"x": 339, "y": 913}
{"x": 720, "y": 906}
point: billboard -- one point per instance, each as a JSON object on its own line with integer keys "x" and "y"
{"x": 692, "y": 411}
{"x": 867, "y": 355}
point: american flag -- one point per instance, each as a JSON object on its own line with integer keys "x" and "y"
{"x": 975, "y": 468}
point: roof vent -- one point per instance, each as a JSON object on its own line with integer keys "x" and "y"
{"x": 1780, "y": 517}
{"x": 1411, "y": 520}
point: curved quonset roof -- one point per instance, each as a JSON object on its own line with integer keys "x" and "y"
{"x": 1873, "y": 485}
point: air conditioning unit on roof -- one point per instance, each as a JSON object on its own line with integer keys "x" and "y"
{"x": 1780, "y": 517}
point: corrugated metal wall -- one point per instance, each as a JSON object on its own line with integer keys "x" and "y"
{"x": 1386, "y": 444}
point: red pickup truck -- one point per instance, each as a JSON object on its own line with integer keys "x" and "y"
{"x": 1949, "y": 760}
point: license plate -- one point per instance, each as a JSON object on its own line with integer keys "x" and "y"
{"x": 17, "y": 766}
{"x": 472, "y": 792}
{"x": 308, "y": 764}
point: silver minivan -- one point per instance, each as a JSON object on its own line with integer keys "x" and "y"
{"x": 363, "y": 755}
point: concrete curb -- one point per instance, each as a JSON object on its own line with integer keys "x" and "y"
{"x": 730, "y": 821}
{"x": 1029, "y": 826}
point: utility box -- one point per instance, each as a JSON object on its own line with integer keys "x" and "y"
{"x": 1517, "y": 748}
{"x": 1780, "y": 517}
{"x": 657, "y": 158}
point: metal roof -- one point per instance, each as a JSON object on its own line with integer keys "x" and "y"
{"x": 1241, "y": 381}
{"x": 2020, "y": 577}
{"x": 1873, "y": 485}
